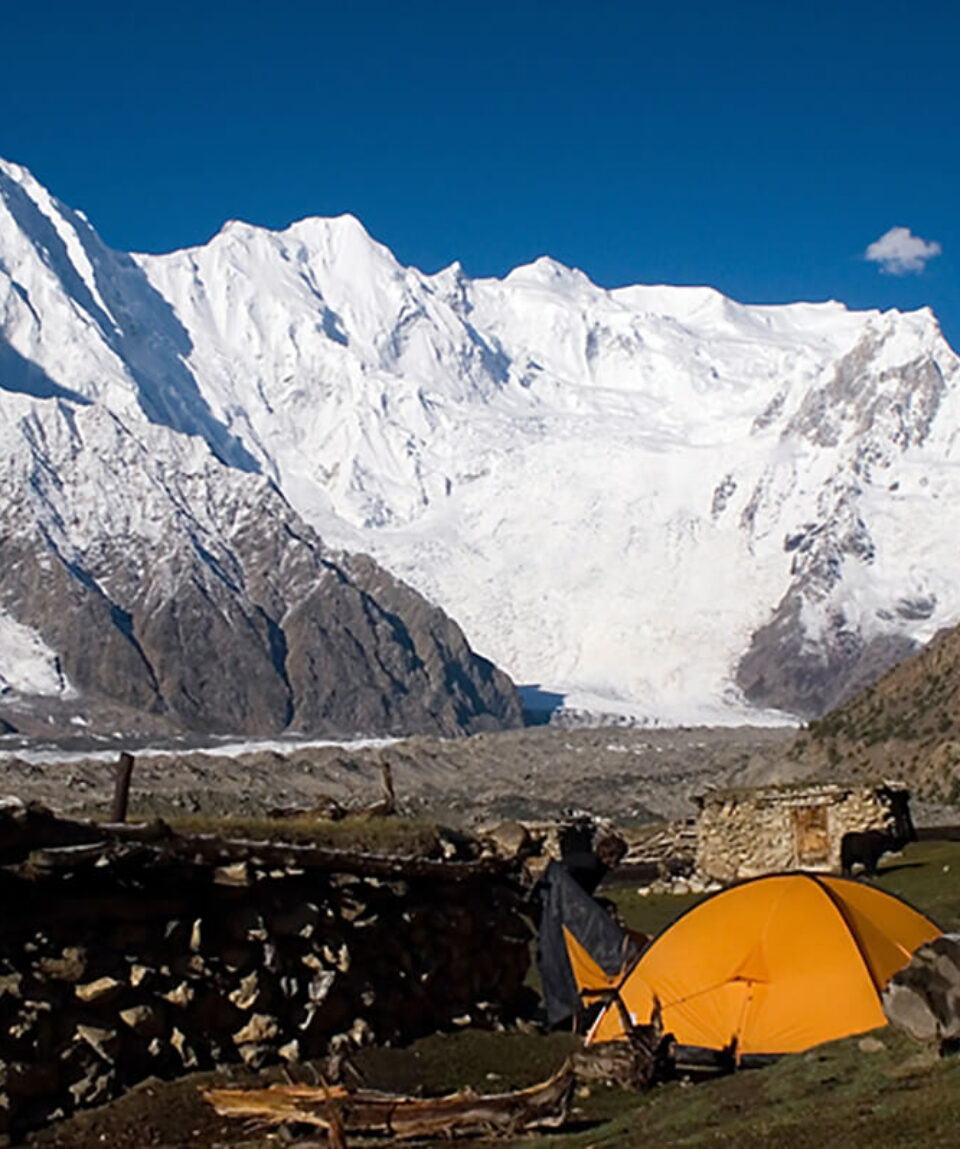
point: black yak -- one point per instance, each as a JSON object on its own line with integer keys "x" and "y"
{"x": 866, "y": 847}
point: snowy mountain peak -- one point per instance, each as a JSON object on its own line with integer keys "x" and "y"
{"x": 548, "y": 271}
{"x": 653, "y": 496}
{"x": 346, "y": 228}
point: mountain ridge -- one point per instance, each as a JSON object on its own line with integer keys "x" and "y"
{"x": 150, "y": 572}
{"x": 904, "y": 725}
{"x": 647, "y": 499}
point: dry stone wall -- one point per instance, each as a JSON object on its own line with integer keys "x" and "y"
{"x": 122, "y": 959}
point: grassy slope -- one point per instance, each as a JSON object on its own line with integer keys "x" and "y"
{"x": 899, "y": 1095}
{"x": 905, "y": 725}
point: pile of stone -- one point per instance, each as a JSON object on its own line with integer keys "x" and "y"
{"x": 127, "y": 952}
{"x": 680, "y": 886}
{"x": 923, "y": 999}
{"x": 662, "y": 857}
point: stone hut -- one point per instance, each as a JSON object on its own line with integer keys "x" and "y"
{"x": 743, "y": 833}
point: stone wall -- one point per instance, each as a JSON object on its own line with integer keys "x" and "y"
{"x": 123, "y": 958}
{"x": 744, "y": 833}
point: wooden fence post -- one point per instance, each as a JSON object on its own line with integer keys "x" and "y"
{"x": 386, "y": 784}
{"x": 121, "y": 789}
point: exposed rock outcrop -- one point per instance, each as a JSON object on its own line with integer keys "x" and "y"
{"x": 782, "y": 668}
{"x": 182, "y": 589}
{"x": 923, "y": 999}
{"x": 807, "y": 671}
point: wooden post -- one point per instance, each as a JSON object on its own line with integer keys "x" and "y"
{"x": 386, "y": 782}
{"x": 121, "y": 789}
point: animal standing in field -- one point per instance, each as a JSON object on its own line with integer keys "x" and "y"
{"x": 866, "y": 847}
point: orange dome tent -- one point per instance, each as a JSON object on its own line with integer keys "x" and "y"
{"x": 775, "y": 965}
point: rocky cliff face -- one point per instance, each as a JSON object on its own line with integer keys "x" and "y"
{"x": 161, "y": 581}
{"x": 878, "y": 420}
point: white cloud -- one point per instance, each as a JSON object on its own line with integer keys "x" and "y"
{"x": 900, "y": 252}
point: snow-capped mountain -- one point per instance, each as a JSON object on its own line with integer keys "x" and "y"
{"x": 150, "y": 575}
{"x": 650, "y": 500}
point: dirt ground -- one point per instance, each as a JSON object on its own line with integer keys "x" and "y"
{"x": 173, "y": 1115}
{"x": 629, "y": 774}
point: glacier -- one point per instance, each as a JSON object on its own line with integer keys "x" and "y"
{"x": 651, "y": 501}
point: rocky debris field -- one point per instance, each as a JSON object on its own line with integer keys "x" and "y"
{"x": 629, "y": 775}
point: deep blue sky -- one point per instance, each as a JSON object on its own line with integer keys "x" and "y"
{"x": 756, "y": 147}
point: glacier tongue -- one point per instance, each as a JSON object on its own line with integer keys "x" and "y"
{"x": 652, "y": 498}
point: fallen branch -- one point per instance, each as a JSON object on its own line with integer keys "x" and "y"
{"x": 336, "y": 1134}
{"x": 330, "y": 810}
{"x": 460, "y": 1114}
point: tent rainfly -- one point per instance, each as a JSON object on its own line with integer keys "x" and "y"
{"x": 774, "y": 965}
{"x": 582, "y": 949}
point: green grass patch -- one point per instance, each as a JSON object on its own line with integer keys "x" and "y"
{"x": 476, "y": 1059}
{"x": 900, "y": 1095}
{"x": 928, "y": 877}
{"x": 654, "y": 912}
{"x": 375, "y": 835}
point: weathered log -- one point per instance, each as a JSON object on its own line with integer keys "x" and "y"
{"x": 459, "y": 1114}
